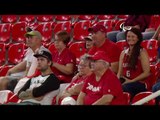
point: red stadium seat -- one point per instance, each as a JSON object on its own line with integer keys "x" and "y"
{"x": 152, "y": 48}
{"x": 78, "y": 49}
{"x": 9, "y": 19}
{"x": 45, "y": 18}
{"x": 81, "y": 30}
{"x": 2, "y": 53}
{"x": 66, "y": 25}
{"x": 16, "y": 53}
{"x": 7, "y": 96}
{"x": 86, "y": 17}
{"x": 122, "y": 16}
{"x": 4, "y": 69}
{"x": 5, "y": 32}
{"x": 27, "y": 18}
{"x": 52, "y": 48}
{"x": 155, "y": 21}
{"x": 45, "y": 29}
{"x": 62, "y": 17}
{"x": 127, "y": 97}
{"x": 122, "y": 44}
{"x": 118, "y": 23}
{"x": 105, "y": 17}
{"x": 18, "y": 31}
{"x": 107, "y": 23}
{"x": 142, "y": 95}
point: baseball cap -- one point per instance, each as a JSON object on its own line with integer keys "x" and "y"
{"x": 34, "y": 33}
{"x": 100, "y": 55}
{"x": 68, "y": 101}
{"x": 88, "y": 38}
{"x": 97, "y": 28}
{"x": 44, "y": 53}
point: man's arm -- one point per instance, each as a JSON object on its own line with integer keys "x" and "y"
{"x": 17, "y": 68}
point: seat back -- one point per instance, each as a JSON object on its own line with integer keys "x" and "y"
{"x": 142, "y": 95}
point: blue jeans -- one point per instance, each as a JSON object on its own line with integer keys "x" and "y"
{"x": 134, "y": 88}
{"x": 155, "y": 88}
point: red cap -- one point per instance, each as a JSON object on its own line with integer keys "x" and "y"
{"x": 97, "y": 28}
{"x": 100, "y": 55}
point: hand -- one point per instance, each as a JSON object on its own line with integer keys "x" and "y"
{"x": 126, "y": 80}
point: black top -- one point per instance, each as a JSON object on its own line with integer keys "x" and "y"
{"x": 50, "y": 84}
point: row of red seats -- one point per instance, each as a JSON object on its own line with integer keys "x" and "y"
{"x": 49, "y": 18}
{"x": 15, "y": 32}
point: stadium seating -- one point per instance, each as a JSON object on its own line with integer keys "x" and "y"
{"x": 16, "y": 53}
{"x": 152, "y": 48}
{"x": 9, "y": 18}
{"x": 127, "y": 97}
{"x": 45, "y": 29}
{"x": 18, "y": 31}
{"x": 5, "y": 32}
{"x": 2, "y": 53}
{"x": 4, "y": 69}
{"x": 78, "y": 49}
{"x": 81, "y": 29}
{"x": 65, "y": 25}
{"x": 107, "y": 23}
{"x": 122, "y": 44}
{"x": 62, "y": 17}
{"x": 27, "y": 18}
{"x": 52, "y": 48}
{"x": 44, "y": 18}
{"x": 142, "y": 95}
{"x": 105, "y": 17}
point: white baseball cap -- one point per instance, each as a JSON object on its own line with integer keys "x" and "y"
{"x": 68, "y": 101}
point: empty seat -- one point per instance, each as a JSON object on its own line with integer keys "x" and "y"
{"x": 4, "y": 69}
{"x": 45, "y": 18}
{"x": 108, "y": 24}
{"x": 18, "y": 31}
{"x": 66, "y": 25}
{"x": 16, "y": 53}
{"x": 86, "y": 17}
{"x": 5, "y": 32}
{"x": 27, "y": 18}
{"x": 62, "y": 17}
{"x": 152, "y": 48}
{"x": 105, "y": 17}
{"x": 2, "y": 53}
{"x": 81, "y": 30}
{"x": 9, "y": 18}
{"x": 78, "y": 49}
{"x": 45, "y": 29}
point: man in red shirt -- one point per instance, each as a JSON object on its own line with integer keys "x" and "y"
{"x": 102, "y": 87}
{"x": 103, "y": 44}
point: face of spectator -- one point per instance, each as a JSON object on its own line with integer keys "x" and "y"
{"x": 89, "y": 44}
{"x": 43, "y": 64}
{"x": 132, "y": 38}
{"x": 59, "y": 45}
{"x": 83, "y": 67}
{"x": 32, "y": 41}
{"x": 98, "y": 37}
{"x": 96, "y": 65}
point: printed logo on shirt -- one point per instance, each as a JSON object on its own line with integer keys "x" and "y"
{"x": 92, "y": 88}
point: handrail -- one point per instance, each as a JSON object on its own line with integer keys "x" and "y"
{"x": 148, "y": 98}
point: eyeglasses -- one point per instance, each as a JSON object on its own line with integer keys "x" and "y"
{"x": 82, "y": 65}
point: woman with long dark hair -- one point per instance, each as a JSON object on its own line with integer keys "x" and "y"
{"x": 134, "y": 64}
